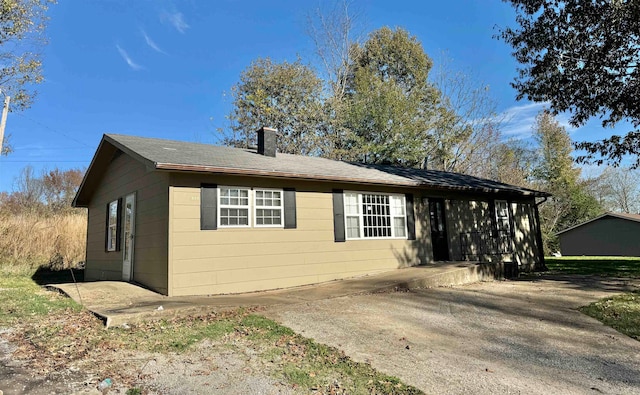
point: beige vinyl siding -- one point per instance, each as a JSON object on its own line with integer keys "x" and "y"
{"x": 235, "y": 260}
{"x": 123, "y": 176}
{"x": 606, "y": 236}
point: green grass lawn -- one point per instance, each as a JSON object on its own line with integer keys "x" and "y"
{"x": 600, "y": 265}
{"x": 621, "y": 312}
{"x": 52, "y": 331}
{"x": 22, "y": 300}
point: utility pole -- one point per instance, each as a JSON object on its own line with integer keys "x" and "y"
{"x": 3, "y": 120}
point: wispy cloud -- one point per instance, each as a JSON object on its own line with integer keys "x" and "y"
{"x": 128, "y": 59}
{"x": 151, "y": 43}
{"x": 519, "y": 121}
{"x": 175, "y": 19}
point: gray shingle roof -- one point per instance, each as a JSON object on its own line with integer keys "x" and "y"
{"x": 625, "y": 216}
{"x": 183, "y": 156}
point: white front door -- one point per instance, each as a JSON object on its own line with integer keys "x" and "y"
{"x": 129, "y": 220}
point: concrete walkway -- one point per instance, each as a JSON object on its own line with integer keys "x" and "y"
{"x": 120, "y": 302}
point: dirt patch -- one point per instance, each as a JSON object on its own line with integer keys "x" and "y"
{"x": 500, "y": 337}
{"x": 211, "y": 367}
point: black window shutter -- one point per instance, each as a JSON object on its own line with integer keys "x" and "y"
{"x": 106, "y": 230}
{"x": 411, "y": 222}
{"x": 208, "y": 207}
{"x": 290, "y": 208}
{"x": 338, "y": 215}
{"x": 119, "y": 225}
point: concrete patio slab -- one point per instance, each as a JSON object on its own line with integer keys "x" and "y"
{"x": 118, "y": 302}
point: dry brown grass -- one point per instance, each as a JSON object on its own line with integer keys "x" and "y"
{"x": 30, "y": 240}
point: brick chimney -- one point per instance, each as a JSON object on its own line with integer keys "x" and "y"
{"x": 267, "y": 141}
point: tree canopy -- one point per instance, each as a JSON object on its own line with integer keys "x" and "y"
{"x": 379, "y": 104}
{"x": 285, "y": 96}
{"x": 22, "y": 23}
{"x": 582, "y": 57}
{"x": 392, "y": 104}
{"x": 556, "y": 173}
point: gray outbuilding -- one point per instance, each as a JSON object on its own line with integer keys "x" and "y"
{"x": 611, "y": 234}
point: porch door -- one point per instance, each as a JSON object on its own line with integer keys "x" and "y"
{"x": 128, "y": 227}
{"x": 438, "y": 230}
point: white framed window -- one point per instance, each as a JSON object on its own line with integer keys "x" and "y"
{"x": 112, "y": 226}
{"x": 375, "y": 215}
{"x": 502, "y": 215}
{"x": 268, "y": 207}
{"x": 399, "y": 214}
{"x": 233, "y": 207}
{"x": 352, "y": 215}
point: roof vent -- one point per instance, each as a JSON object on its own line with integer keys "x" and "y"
{"x": 267, "y": 141}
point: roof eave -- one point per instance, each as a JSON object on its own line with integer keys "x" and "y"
{"x": 315, "y": 177}
{"x": 607, "y": 214}
{"x": 274, "y": 174}
{"x": 83, "y": 195}
{"x": 79, "y": 200}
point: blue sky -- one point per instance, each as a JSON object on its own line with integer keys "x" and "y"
{"x": 162, "y": 69}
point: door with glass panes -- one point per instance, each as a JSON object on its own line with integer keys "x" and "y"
{"x": 438, "y": 230}
{"x": 128, "y": 233}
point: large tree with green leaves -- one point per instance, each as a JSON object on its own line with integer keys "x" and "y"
{"x": 582, "y": 57}
{"x": 285, "y": 96}
{"x": 556, "y": 173}
{"x": 392, "y": 106}
{"x": 22, "y": 24}
{"x": 377, "y": 102}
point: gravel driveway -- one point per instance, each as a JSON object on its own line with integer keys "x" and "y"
{"x": 511, "y": 337}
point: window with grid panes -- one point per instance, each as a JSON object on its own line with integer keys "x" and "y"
{"x": 234, "y": 206}
{"x": 375, "y": 215}
{"x": 268, "y": 207}
{"x": 352, "y": 215}
{"x": 502, "y": 215}
{"x": 112, "y": 226}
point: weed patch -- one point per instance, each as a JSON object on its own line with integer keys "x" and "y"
{"x": 30, "y": 240}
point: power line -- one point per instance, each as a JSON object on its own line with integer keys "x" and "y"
{"x": 54, "y": 130}
{"x": 45, "y": 161}
{"x": 50, "y": 148}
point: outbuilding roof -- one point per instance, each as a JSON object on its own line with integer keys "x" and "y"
{"x": 625, "y": 216}
{"x": 170, "y": 155}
